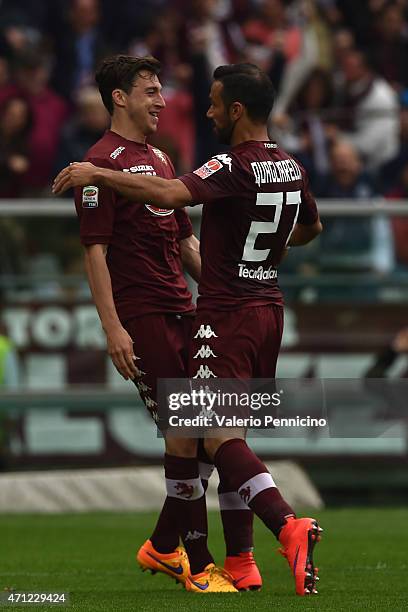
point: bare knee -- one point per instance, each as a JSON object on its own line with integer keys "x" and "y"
{"x": 181, "y": 447}
{"x": 211, "y": 445}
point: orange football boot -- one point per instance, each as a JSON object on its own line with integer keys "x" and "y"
{"x": 298, "y": 538}
{"x": 244, "y": 571}
{"x": 175, "y": 564}
{"x": 212, "y": 580}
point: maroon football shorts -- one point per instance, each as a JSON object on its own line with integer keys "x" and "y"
{"x": 161, "y": 342}
{"x": 241, "y": 343}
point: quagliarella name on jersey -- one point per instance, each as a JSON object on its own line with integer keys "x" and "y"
{"x": 283, "y": 171}
{"x": 259, "y": 274}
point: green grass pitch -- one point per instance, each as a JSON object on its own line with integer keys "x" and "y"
{"x": 363, "y": 561}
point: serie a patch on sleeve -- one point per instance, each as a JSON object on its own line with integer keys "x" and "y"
{"x": 90, "y": 196}
{"x": 209, "y": 168}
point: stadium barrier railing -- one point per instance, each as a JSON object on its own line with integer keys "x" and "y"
{"x": 64, "y": 207}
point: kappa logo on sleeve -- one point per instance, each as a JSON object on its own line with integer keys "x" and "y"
{"x": 225, "y": 159}
{"x": 90, "y": 196}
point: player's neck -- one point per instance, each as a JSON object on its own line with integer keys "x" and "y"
{"x": 127, "y": 130}
{"x": 249, "y": 132}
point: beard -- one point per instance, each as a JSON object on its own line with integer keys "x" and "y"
{"x": 224, "y": 134}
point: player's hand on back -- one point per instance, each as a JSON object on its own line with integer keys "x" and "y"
{"x": 77, "y": 174}
{"x": 120, "y": 349}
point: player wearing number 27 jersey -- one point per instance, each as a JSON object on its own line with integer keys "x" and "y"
{"x": 254, "y": 196}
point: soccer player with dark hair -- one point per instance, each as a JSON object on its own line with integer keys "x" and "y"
{"x": 256, "y": 204}
{"x": 134, "y": 254}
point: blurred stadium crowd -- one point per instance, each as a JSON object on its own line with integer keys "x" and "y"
{"x": 339, "y": 68}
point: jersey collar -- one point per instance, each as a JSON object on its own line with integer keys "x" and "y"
{"x": 120, "y": 139}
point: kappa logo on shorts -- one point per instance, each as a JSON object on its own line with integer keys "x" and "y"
{"x": 90, "y": 196}
{"x": 155, "y": 416}
{"x": 205, "y": 388}
{"x": 204, "y": 352}
{"x": 143, "y": 388}
{"x": 205, "y": 331}
{"x": 150, "y": 403}
{"x": 204, "y": 372}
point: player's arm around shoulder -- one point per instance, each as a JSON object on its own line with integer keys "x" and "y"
{"x": 166, "y": 193}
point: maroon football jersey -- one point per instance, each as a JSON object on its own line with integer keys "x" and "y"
{"x": 253, "y": 196}
{"x": 143, "y": 255}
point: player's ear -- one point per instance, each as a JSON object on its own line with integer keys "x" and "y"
{"x": 119, "y": 97}
{"x": 236, "y": 110}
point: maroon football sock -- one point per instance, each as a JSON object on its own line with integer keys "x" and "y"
{"x": 241, "y": 470}
{"x": 187, "y": 506}
{"x": 165, "y": 537}
{"x": 237, "y": 521}
{"x": 237, "y": 518}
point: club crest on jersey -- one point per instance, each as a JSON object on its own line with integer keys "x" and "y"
{"x": 90, "y": 196}
{"x": 209, "y": 168}
{"x": 161, "y": 212}
{"x": 160, "y": 155}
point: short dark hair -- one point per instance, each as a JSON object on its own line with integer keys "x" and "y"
{"x": 249, "y": 85}
{"x": 119, "y": 72}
